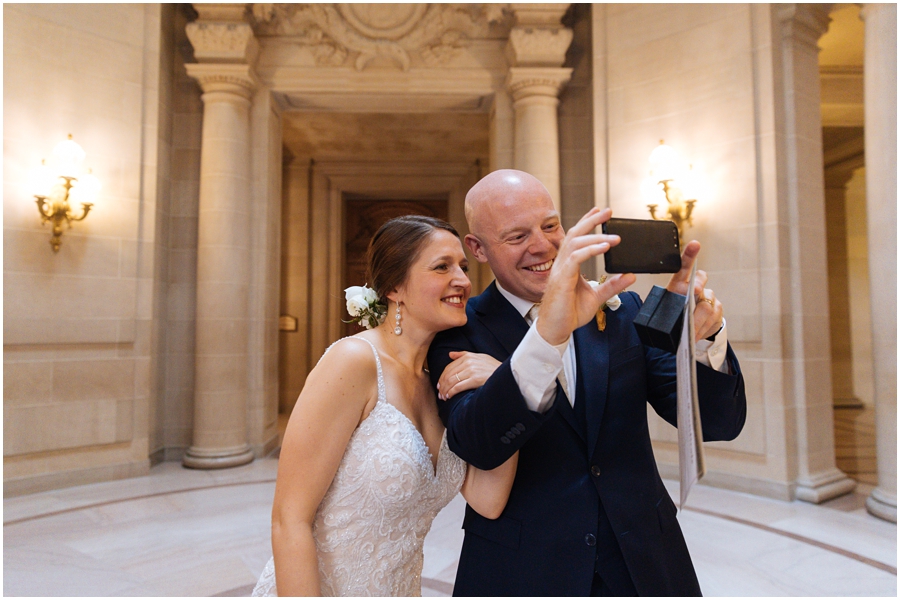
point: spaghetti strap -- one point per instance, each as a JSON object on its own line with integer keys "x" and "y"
{"x": 382, "y": 396}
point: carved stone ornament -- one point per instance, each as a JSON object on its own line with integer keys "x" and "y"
{"x": 523, "y": 82}
{"x": 220, "y": 42}
{"x": 234, "y": 79}
{"x": 338, "y": 33}
{"x": 544, "y": 46}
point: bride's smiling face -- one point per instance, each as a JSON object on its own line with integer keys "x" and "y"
{"x": 437, "y": 287}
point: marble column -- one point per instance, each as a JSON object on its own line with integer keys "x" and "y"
{"x": 880, "y": 80}
{"x": 836, "y": 179}
{"x": 537, "y": 49}
{"x": 223, "y": 270}
{"x": 535, "y": 93}
{"x": 810, "y": 411}
{"x": 225, "y": 46}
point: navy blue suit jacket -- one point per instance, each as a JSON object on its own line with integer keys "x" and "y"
{"x": 583, "y": 498}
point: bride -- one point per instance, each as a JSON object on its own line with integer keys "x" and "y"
{"x": 364, "y": 465}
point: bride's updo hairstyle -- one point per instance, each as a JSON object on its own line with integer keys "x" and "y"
{"x": 395, "y": 247}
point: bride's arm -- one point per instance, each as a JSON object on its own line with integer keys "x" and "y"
{"x": 329, "y": 409}
{"x": 485, "y": 491}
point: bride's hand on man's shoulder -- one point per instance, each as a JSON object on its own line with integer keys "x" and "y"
{"x": 468, "y": 371}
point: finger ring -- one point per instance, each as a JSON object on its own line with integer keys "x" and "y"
{"x": 710, "y": 302}
{"x": 458, "y": 379}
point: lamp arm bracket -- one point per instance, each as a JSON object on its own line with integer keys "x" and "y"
{"x": 86, "y": 208}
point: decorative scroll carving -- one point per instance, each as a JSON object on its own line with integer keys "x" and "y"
{"x": 399, "y": 33}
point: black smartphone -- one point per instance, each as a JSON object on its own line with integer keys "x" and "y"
{"x": 647, "y": 246}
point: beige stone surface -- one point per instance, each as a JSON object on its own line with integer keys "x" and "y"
{"x": 80, "y": 316}
{"x": 711, "y": 80}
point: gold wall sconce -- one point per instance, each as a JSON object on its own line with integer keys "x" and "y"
{"x": 57, "y": 187}
{"x": 671, "y": 177}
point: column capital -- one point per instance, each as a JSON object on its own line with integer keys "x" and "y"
{"x": 539, "y": 14}
{"x": 236, "y": 79}
{"x": 222, "y": 35}
{"x": 804, "y": 22}
{"x": 538, "y": 38}
{"x": 523, "y": 82}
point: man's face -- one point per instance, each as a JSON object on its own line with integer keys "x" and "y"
{"x": 519, "y": 235}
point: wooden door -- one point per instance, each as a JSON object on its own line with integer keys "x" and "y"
{"x": 362, "y": 218}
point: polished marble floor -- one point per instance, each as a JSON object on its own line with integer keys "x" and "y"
{"x": 179, "y": 532}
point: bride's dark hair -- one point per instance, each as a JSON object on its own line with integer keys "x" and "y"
{"x": 394, "y": 248}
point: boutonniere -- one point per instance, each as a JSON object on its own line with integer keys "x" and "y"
{"x": 612, "y": 304}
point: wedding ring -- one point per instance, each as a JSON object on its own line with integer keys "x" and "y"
{"x": 707, "y": 300}
{"x": 458, "y": 379}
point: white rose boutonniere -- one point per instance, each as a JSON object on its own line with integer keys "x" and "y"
{"x": 364, "y": 305}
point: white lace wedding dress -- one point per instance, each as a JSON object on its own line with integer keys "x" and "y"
{"x": 371, "y": 524}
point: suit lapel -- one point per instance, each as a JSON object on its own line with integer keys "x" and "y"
{"x": 564, "y": 407}
{"x": 509, "y": 327}
{"x": 592, "y": 365}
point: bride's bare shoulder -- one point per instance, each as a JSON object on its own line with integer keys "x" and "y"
{"x": 351, "y": 359}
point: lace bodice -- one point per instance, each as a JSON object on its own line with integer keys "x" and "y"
{"x": 371, "y": 524}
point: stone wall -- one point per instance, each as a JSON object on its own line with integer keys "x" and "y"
{"x": 78, "y": 329}
{"x": 734, "y": 88}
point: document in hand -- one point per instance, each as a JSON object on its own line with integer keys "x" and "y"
{"x": 691, "y": 464}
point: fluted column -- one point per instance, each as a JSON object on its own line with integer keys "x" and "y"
{"x": 223, "y": 246}
{"x": 536, "y": 50}
{"x": 880, "y": 80}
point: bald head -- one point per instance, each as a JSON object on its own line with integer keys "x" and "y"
{"x": 498, "y": 192}
{"x": 515, "y": 229}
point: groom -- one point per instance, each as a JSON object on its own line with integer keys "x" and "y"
{"x": 588, "y": 513}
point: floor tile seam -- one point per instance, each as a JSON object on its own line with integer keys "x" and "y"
{"x": 133, "y": 498}
{"x": 800, "y": 538}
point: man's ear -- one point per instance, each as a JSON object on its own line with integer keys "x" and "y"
{"x": 476, "y": 248}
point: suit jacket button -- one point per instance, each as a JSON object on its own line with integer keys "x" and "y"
{"x": 595, "y": 471}
{"x": 504, "y": 439}
{"x": 590, "y": 539}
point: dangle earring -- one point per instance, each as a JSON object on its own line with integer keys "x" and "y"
{"x": 397, "y": 329}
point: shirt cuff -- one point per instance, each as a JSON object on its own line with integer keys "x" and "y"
{"x": 712, "y": 354}
{"x": 535, "y": 366}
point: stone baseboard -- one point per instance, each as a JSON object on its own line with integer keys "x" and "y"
{"x": 62, "y": 479}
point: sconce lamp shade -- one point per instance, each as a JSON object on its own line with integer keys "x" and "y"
{"x": 85, "y": 189}
{"x": 665, "y": 163}
{"x": 671, "y": 179}
{"x": 67, "y": 158}
{"x": 60, "y": 186}
{"x": 41, "y": 180}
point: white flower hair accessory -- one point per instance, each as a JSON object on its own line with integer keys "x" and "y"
{"x": 364, "y": 306}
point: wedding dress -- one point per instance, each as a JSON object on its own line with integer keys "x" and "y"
{"x": 371, "y": 524}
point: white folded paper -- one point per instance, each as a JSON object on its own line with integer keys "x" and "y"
{"x": 691, "y": 464}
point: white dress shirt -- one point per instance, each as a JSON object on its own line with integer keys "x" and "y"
{"x": 536, "y": 364}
